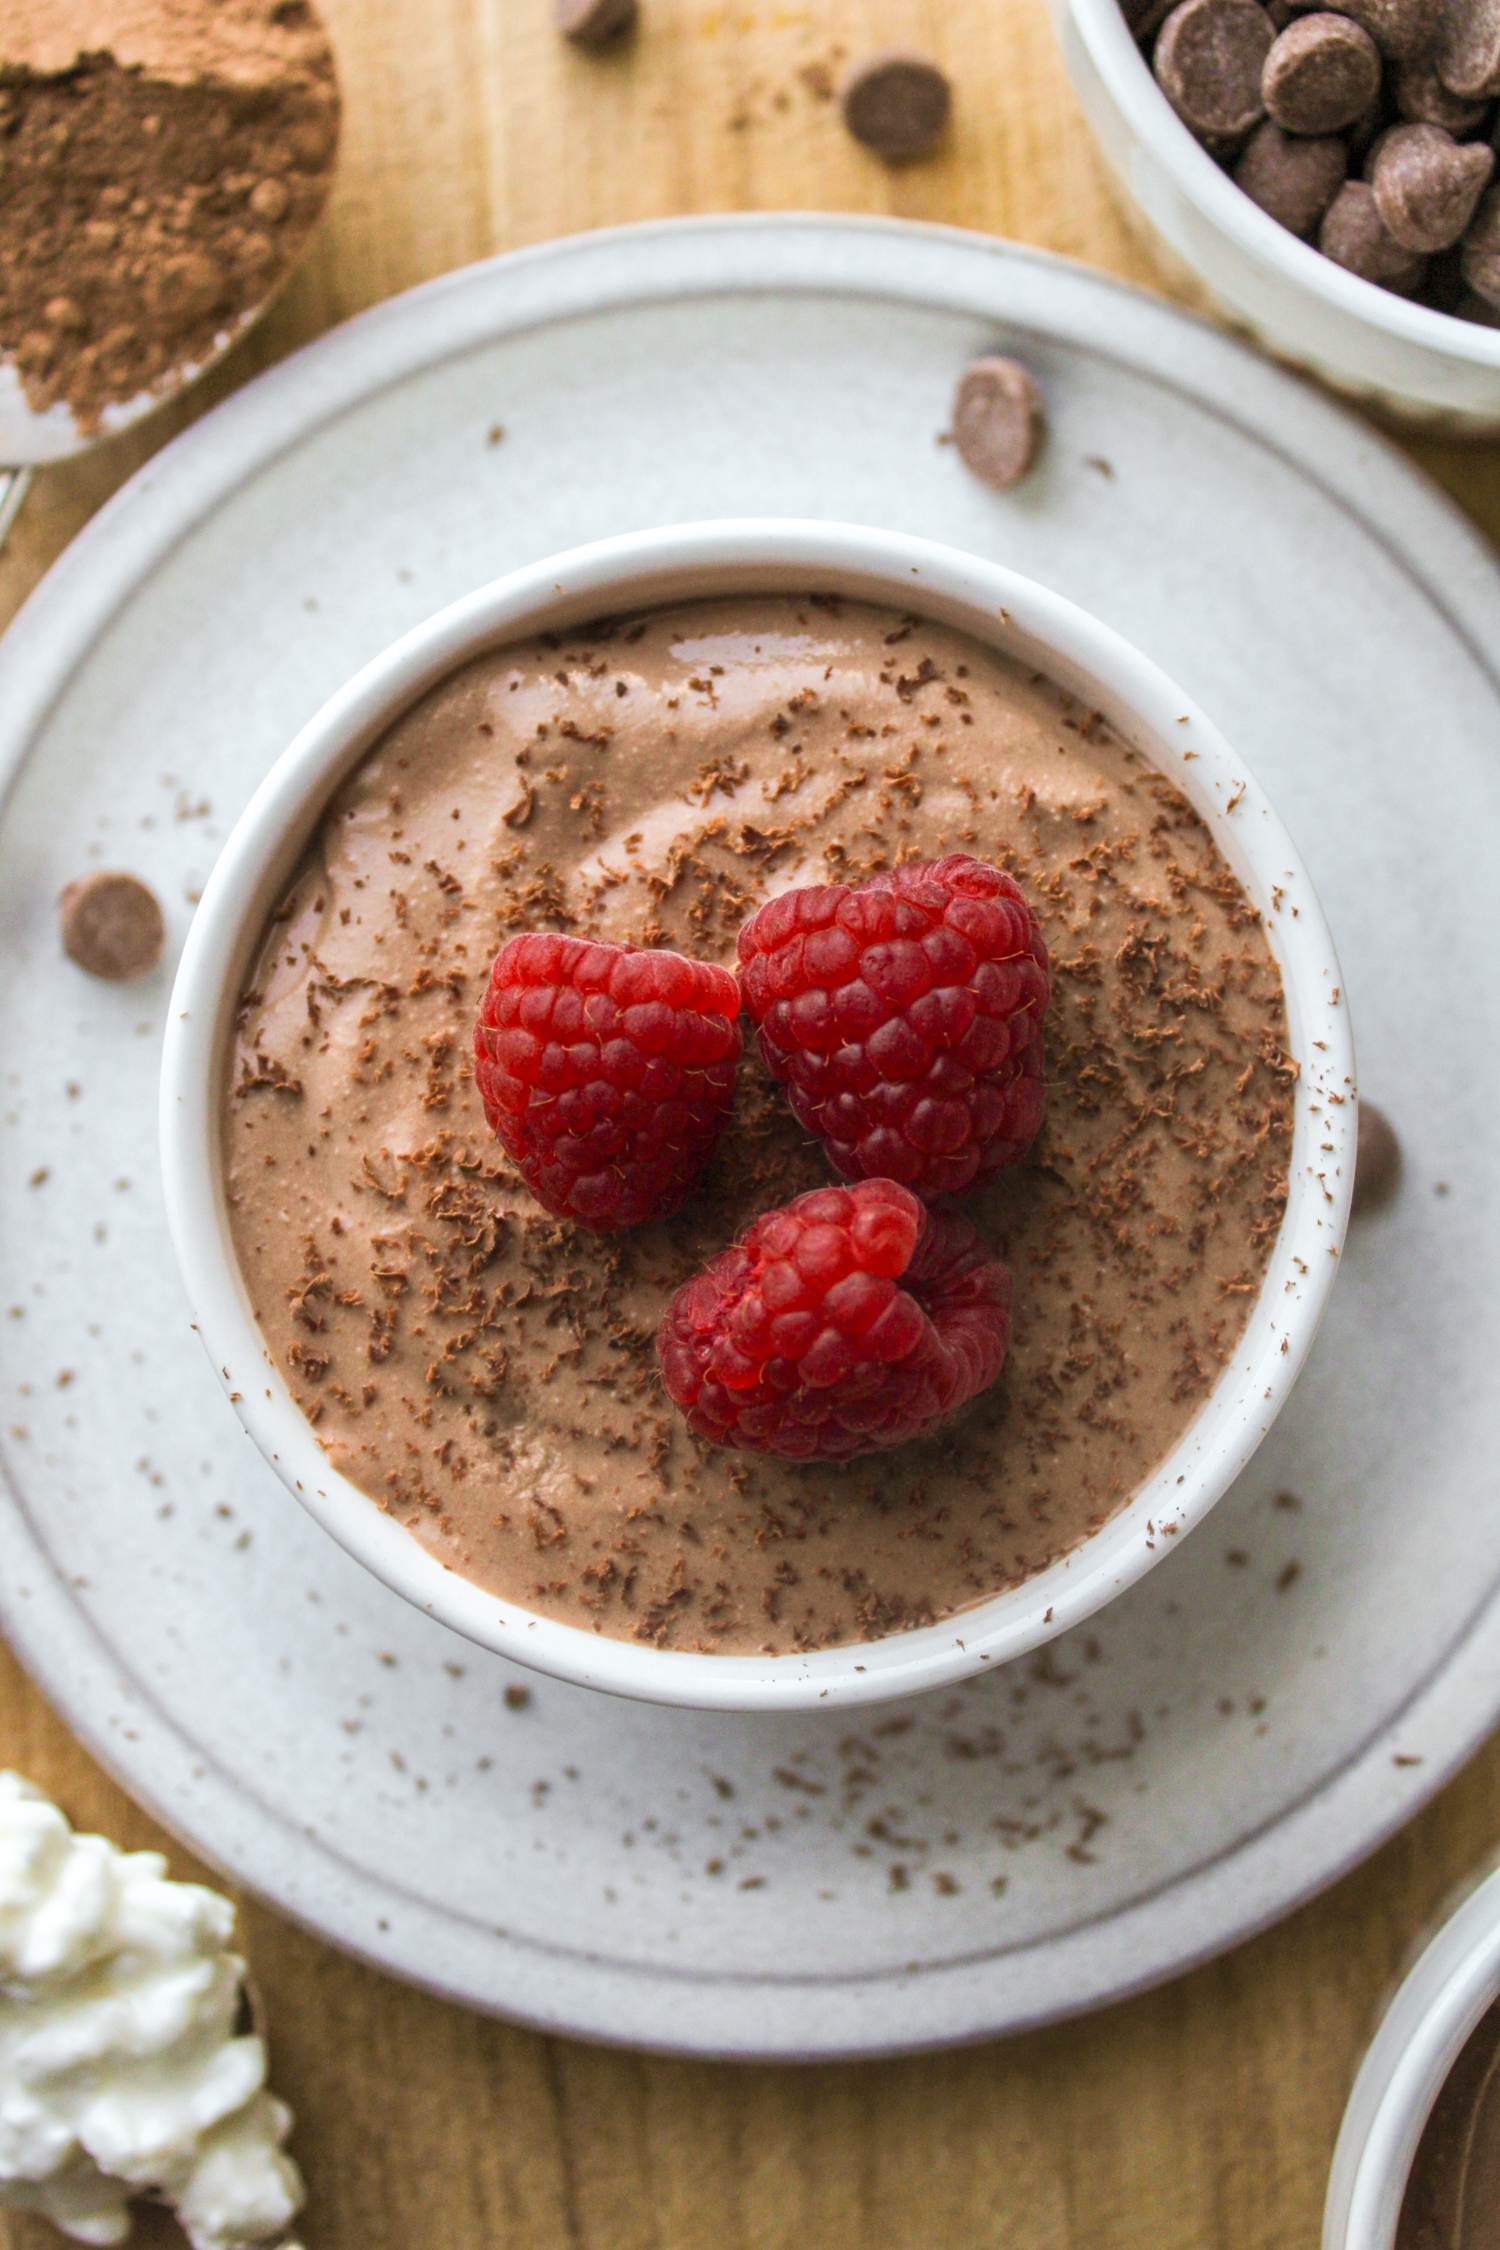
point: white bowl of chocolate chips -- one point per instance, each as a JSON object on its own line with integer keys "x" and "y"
{"x": 1328, "y": 172}
{"x": 643, "y": 742}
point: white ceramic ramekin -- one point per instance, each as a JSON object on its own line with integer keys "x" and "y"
{"x": 1454, "y": 1983}
{"x": 1416, "y": 363}
{"x": 638, "y": 571}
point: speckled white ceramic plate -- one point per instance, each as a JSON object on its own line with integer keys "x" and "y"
{"x": 1233, "y": 1733}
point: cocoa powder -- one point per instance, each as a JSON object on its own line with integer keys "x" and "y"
{"x": 157, "y": 182}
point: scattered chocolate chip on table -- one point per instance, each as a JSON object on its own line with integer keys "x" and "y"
{"x": 897, "y": 104}
{"x": 593, "y": 23}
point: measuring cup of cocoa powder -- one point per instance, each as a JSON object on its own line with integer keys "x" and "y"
{"x": 163, "y": 164}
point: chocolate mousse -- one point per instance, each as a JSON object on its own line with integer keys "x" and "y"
{"x": 487, "y": 1373}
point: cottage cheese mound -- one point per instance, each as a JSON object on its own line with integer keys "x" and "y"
{"x": 121, "y": 2069}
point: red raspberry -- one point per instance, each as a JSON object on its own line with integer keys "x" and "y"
{"x": 606, "y": 1071}
{"x": 797, "y": 1339}
{"x": 904, "y": 1017}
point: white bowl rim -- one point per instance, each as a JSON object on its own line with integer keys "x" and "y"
{"x": 647, "y": 569}
{"x": 1127, "y": 75}
{"x": 1450, "y": 1988}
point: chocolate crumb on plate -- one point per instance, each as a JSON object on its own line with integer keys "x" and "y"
{"x": 999, "y": 421}
{"x": 1208, "y": 62}
{"x": 592, "y": 23}
{"x": 1377, "y": 1160}
{"x": 112, "y": 926}
{"x": 897, "y": 104}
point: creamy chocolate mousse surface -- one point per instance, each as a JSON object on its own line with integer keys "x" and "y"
{"x": 488, "y": 1373}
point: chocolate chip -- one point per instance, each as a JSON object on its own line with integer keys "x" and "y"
{"x": 1482, "y": 249}
{"x": 1208, "y": 63}
{"x": 1443, "y": 288}
{"x": 897, "y": 104}
{"x": 999, "y": 421}
{"x": 1427, "y": 185}
{"x": 1292, "y": 176}
{"x": 1399, "y": 28}
{"x": 1322, "y": 73}
{"x": 1377, "y": 1160}
{"x": 1354, "y": 235}
{"x": 1466, "y": 52}
{"x": 1423, "y": 99}
{"x": 112, "y": 926}
{"x": 590, "y": 23}
{"x": 1365, "y": 132}
{"x": 1146, "y": 17}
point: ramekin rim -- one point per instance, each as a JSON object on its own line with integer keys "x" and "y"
{"x": 619, "y": 573}
{"x": 1434, "y": 2011}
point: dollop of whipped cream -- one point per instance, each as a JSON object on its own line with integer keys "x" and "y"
{"x": 123, "y": 2070}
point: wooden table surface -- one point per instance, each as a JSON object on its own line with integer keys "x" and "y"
{"x": 1200, "y": 2117}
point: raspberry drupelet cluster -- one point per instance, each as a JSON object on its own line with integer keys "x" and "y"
{"x": 904, "y": 1017}
{"x": 606, "y": 1072}
{"x": 853, "y": 1318}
